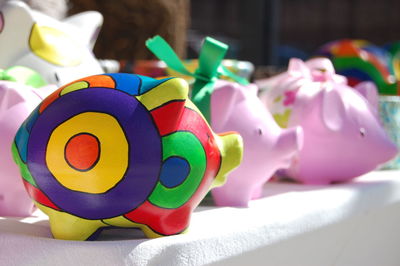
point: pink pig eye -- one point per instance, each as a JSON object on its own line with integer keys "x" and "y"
{"x": 362, "y": 132}
{"x": 259, "y": 131}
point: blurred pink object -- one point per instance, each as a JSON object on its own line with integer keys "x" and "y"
{"x": 16, "y": 103}
{"x": 343, "y": 137}
{"x": 267, "y": 147}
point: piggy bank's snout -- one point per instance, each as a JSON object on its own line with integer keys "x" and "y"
{"x": 391, "y": 151}
{"x": 291, "y": 140}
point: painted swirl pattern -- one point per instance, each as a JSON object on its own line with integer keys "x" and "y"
{"x": 117, "y": 150}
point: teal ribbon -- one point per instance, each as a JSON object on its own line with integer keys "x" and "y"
{"x": 209, "y": 70}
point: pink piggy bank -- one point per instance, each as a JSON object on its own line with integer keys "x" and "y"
{"x": 266, "y": 146}
{"x": 343, "y": 137}
{"x": 16, "y": 103}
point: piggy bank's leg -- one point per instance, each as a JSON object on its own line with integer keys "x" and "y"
{"x": 156, "y": 222}
{"x": 257, "y": 192}
{"x": 124, "y": 222}
{"x": 68, "y": 227}
{"x": 232, "y": 195}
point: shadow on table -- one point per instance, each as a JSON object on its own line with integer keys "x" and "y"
{"x": 286, "y": 185}
{"x": 277, "y": 187}
{"x": 20, "y": 226}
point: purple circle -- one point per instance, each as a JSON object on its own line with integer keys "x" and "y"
{"x": 145, "y": 153}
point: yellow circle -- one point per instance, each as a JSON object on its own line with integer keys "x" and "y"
{"x": 114, "y": 153}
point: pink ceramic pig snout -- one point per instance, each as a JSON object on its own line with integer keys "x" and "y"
{"x": 14, "y": 200}
{"x": 16, "y": 103}
{"x": 391, "y": 152}
{"x": 386, "y": 149}
{"x": 290, "y": 138}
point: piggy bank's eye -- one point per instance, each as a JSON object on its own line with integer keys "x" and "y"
{"x": 56, "y": 77}
{"x": 362, "y": 132}
{"x": 259, "y": 131}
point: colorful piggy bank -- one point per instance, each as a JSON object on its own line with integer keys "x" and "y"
{"x": 394, "y": 51}
{"x": 60, "y": 51}
{"x": 343, "y": 137}
{"x": 267, "y": 147}
{"x": 359, "y": 61}
{"x": 121, "y": 150}
{"x": 16, "y": 103}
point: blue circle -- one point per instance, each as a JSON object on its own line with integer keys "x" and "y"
{"x": 174, "y": 171}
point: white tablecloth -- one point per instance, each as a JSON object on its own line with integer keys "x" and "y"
{"x": 346, "y": 224}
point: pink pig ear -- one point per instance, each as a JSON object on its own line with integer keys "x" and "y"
{"x": 252, "y": 88}
{"x": 321, "y": 63}
{"x": 333, "y": 109}
{"x": 223, "y": 100}
{"x": 9, "y": 98}
{"x": 370, "y": 92}
{"x": 298, "y": 68}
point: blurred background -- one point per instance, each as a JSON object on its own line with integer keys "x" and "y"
{"x": 264, "y": 32}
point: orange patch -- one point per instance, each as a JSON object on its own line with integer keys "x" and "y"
{"x": 102, "y": 81}
{"x": 49, "y": 99}
{"x": 82, "y": 151}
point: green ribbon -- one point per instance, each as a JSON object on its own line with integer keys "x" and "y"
{"x": 4, "y": 75}
{"x": 209, "y": 70}
{"x": 23, "y": 75}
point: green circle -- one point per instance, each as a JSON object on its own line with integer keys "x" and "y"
{"x": 186, "y": 145}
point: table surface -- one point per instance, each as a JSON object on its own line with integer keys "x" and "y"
{"x": 292, "y": 224}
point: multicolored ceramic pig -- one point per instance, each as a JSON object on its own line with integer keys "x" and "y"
{"x": 16, "y": 103}
{"x": 343, "y": 137}
{"x": 267, "y": 147}
{"x": 235, "y": 106}
{"x": 121, "y": 150}
{"x": 360, "y": 60}
{"x": 60, "y": 51}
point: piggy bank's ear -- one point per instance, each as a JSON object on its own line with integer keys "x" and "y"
{"x": 223, "y": 100}
{"x": 370, "y": 92}
{"x": 89, "y": 24}
{"x": 298, "y": 68}
{"x": 333, "y": 109}
{"x": 15, "y": 29}
{"x": 9, "y": 98}
{"x": 253, "y": 88}
{"x": 159, "y": 92}
{"x": 322, "y": 64}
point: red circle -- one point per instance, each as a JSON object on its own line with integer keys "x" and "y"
{"x": 82, "y": 151}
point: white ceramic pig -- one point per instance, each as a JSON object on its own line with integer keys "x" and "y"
{"x": 60, "y": 51}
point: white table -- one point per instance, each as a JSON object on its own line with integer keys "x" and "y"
{"x": 347, "y": 224}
